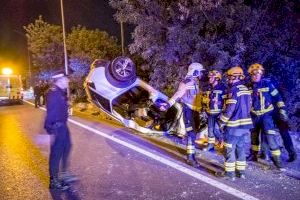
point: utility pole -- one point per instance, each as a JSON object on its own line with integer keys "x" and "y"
{"x": 29, "y": 66}
{"x": 64, "y": 36}
{"x": 122, "y": 38}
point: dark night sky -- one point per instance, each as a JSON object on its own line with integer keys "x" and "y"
{"x": 14, "y": 14}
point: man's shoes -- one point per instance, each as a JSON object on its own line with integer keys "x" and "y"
{"x": 252, "y": 157}
{"x": 66, "y": 177}
{"x": 191, "y": 160}
{"x": 264, "y": 156}
{"x": 56, "y": 184}
{"x": 193, "y": 163}
{"x": 210, "y": 147}
{"x": 292, "y": 157}
{"x": 229, "y": 176}
{"x": 277, "y": 162}
{"x": 242, "y": 176}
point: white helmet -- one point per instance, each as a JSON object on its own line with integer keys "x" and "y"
{"x": 195, "y": 69}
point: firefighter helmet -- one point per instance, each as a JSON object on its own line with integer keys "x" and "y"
{"x": 215, "y": 74}
{"x": 256, "y": 69}
{"x": 236, "y": 72}
{"x": 195, "y": 69}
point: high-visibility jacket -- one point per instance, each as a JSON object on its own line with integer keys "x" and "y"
{"x": 236, "y": 113}
{"x": 189, "y": 94}
{"x": 264, "y": 97}
{"x": 214, "y": 99}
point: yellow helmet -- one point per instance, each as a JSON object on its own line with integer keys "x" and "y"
{"x": 236, "y": 72}
{"x": 215, "y": 74}
{"x": 256, "y": 68}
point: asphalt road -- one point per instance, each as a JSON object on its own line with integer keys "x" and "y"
{"x": 114, "y": 163}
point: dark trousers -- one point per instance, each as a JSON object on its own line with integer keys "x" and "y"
{"x": 213, "y": 129}
{"x": 235, "y": 156}
{"x": 60, "y": 150}
{"x": 285, "y": 135}
{"x": 44, "y": 99}
{"x": 192, "y": 122}
{"x": 37, "y": 100}
{"x": 264, "y": 125}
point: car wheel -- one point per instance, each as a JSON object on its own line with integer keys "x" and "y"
{"x": 121, "y": 72}
{"x": 123, "y": 69}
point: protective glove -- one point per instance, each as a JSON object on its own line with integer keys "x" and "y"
{"x": 164, "y": 107}
{"x": 221, "y": 126}
{"x": 283, "y": 115}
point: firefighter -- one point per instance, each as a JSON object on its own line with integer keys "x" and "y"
{"x": 236, "y": 122}
{"x": 189, "y": 94}
{"x": 264, "y": 98}
{"x": 215, "y": 98}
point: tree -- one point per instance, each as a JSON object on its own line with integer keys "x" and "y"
{"x": 46, "y": 46}
{"x": 84, "y": 46}
{"x": 220, "y": 34}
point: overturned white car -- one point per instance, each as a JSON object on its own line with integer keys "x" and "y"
{"x": 114, "y": 88}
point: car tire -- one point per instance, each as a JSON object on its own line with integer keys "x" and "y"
{"x": 121, "y": 72}
{"x": 123, "y": 69}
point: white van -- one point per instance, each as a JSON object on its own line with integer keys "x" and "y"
{"x": 11, "y": 89}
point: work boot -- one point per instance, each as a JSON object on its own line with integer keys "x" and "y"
{"x": 209, "y": 147}
{"x": 191, "y": 160}
{"x": 229, "y": 176}
{"x": 66, "y": 177}
{"x": 264, "y": 156}
{"x": 292, "y": 157}
{"x": 241, "y": 175}
{"x": 56, "y": 184}
{"x": 252, "y": 156}
{"x": 277, "y": 162}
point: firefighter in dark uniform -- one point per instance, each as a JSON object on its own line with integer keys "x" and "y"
{"x": 214, "y": 104}
{"x": 56, "y": 126}
{"x": 236, "y": 122}
{"x": 280, "y": 118}
{"x": 264, "y": 97}
{"x": 188, "y": 93}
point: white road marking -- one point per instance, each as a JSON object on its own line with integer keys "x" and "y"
{"x": 197, "y": 175}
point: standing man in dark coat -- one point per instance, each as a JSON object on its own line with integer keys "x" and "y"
{"x": 37, "y": 94}
{"x": 56, "y": 126}
{"x": 44, "y": 90}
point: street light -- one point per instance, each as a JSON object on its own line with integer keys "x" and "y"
{"x": 7, "y": 71}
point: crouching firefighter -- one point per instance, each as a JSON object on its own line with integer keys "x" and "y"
{"x": 188, "y": 93}
{"x": 236, "y": 121}
{"x": 264, "y": 97}
{"x": 215, "y": 98}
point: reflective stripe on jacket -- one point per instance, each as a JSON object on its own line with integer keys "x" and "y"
{"x": 264, "y": 97}
{"x": 214, "y": 99}
{"x": 236, "y": 113}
